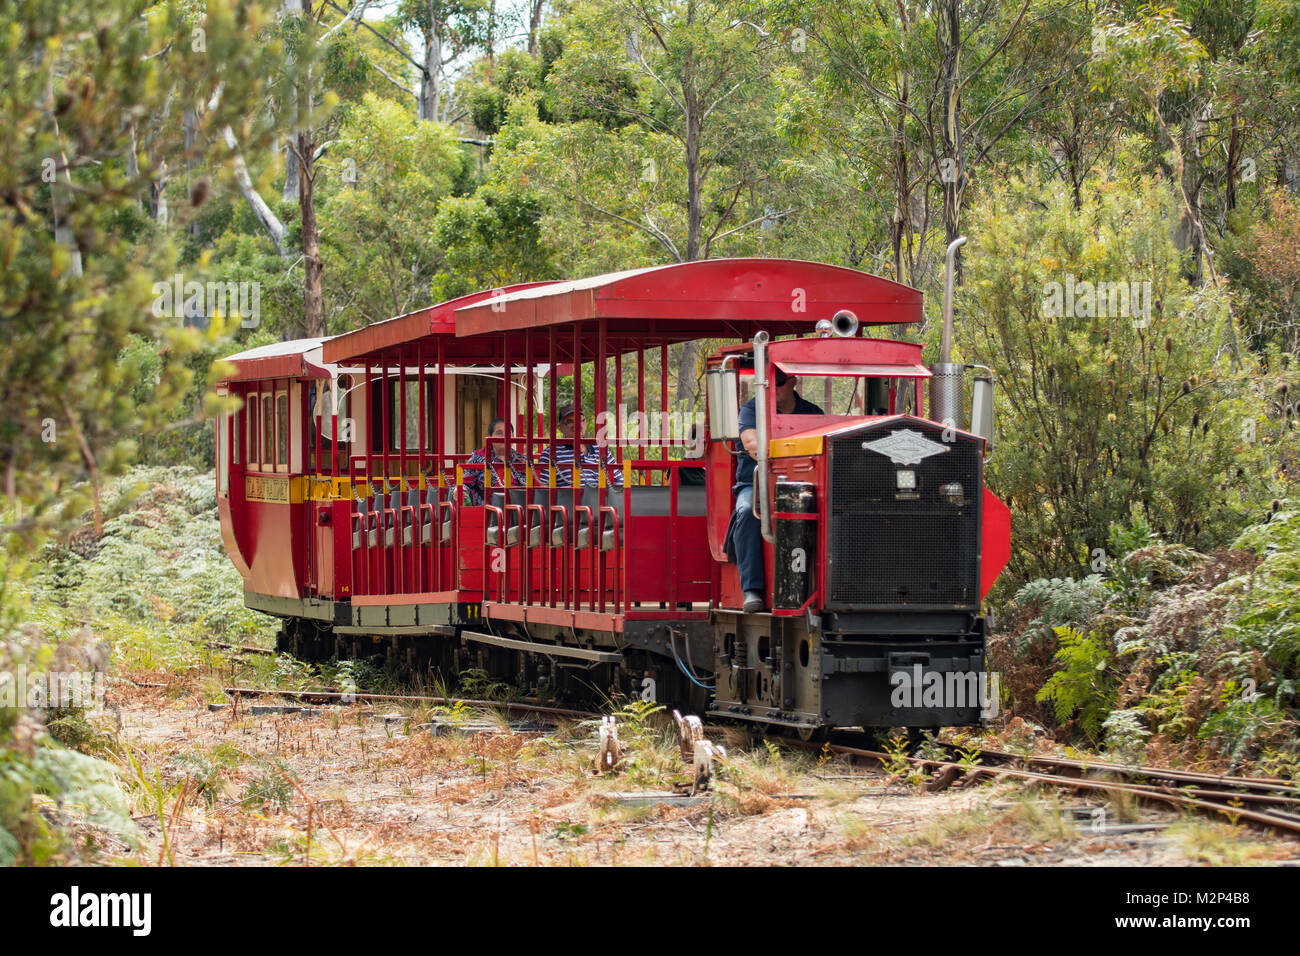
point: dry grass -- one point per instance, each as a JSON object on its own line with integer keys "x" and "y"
{"x": 346, "y": 788}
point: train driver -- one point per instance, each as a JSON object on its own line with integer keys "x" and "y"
{"x": 744, "y": 536}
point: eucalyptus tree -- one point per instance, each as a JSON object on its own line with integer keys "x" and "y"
{"x": 79, "y": 80}
{"x": 663, "y": 135}
{"x": 914, "y": 97}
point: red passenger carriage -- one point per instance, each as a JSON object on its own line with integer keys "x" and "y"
{"x": 341, "y": 488}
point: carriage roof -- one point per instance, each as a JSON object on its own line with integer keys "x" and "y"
{"x": 709, "y": 298}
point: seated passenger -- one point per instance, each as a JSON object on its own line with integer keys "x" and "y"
{"x": 489, "y": 457}
{"x": 589, "y": 462}
{"x": 745, "y": 535}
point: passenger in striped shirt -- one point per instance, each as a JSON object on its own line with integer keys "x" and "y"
{"x": 588, "y": 462}
{"x": 496, "y": 437}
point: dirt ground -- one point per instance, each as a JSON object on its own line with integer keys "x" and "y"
{"x": 363, "y": 785}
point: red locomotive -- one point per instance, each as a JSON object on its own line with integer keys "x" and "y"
{"x": 586, "y": 547}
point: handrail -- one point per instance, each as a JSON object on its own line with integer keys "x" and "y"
{"x": 617, "y": 552}
{"x": 505, "y": 544}
{"x": 563, "y": 548}
{"x": 501, "y": 520}
{"x": 453, "y": 544}
{"x": 592, "y": 543}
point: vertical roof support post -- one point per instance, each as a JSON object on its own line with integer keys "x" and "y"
{"x": 551, "y": 498}
{"x": 401, "y": 414}
{"x": 368, "y": 477}
{"x": 663, "y": 400}
{"x": 334, "y": 427}
{"x": 421, "y": 481}
{"x": 438, "y": 462}
{"x": 530, "y": 384}
{"x": 507, "y": 409}
{"x": 763, "y": 405}
{"x": 640, "y": 397}
{"x": 506, "y": 412}
{"x": 399, "y": 553}
{"x": 626, "y": 509}
{"x": 600, "y": 417}
{"x": 575, "y": 478}
{"x": 370, "y": 439}
{"x": 386, "y": 412}
{"x": 423, "y": 414}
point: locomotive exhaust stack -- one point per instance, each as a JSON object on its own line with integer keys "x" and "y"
{"x": 946, "y": 383}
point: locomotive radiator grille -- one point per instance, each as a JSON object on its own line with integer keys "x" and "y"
{"x": 892, "y": 547}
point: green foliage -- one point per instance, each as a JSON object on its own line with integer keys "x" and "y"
{"x": 75, "y": 288}
{"x": 1110, "y": 418}
{"x": 491, "y": 239}
{"x": 159, "y": 577}
{"x": 1126, "y": 734}
{"x": 208, "y": 772}
{"x": 1059, "y": 602}
{"x": 77, "y": 787}
{"x": 380, "y": 187}
{"x": 1083, "y": 686}
{"x": 1265, "y": 609}
{"x": 271, "y": 787}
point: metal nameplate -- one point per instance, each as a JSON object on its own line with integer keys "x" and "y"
{"x": 905, "y": 447}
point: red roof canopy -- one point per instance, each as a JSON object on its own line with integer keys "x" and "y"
{"x": 354, "y": 347}
{"x": 710, "y": 298}
{"x": 300, "y": 358}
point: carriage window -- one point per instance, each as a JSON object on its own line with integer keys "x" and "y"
{"x": 253, "y": 429}
{"x": 313, "y": 426}
{"x": 282, "y": 430}
{"x": 223, "y": 453}
{"x": 268, "y": 432}
{"x": 849, "y": 395}
{"x": 344, "y": 412}
{"x": 236, "y": 444}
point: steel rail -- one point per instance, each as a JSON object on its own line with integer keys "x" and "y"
{"x": 325, "y": 696}
{"x": 1154, "y": 773}
{"x": 1175, "y": 798}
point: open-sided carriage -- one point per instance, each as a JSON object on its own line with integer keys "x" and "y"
{"x": 599, "y": 560}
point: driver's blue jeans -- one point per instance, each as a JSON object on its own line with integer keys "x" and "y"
{"x": 747, "y": 538}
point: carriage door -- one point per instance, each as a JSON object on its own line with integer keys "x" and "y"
{"x": 320, "y": 529}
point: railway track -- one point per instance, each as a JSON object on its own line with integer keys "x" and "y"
{"x": 1266, "y": 802}
{"x": 341, "y": 697}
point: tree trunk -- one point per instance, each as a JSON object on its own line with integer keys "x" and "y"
{"x": 428, "y": 106}
{"x": 313, "y": 310}
{"x": 902, "y": 220}
{"x": 1193, "y": 181}
{"x": 951, "y": 170}
{"x": 269, "y": 220}
{"x": 191, "y": 123}
{"x": 534, "y": 24}
{"x": 290, "y": 191}
{"x": 687, "y": 358}
{"x": 1234, "y": 160}
{"x": 158, "y": 196}
{"x": 290, "y": 8}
